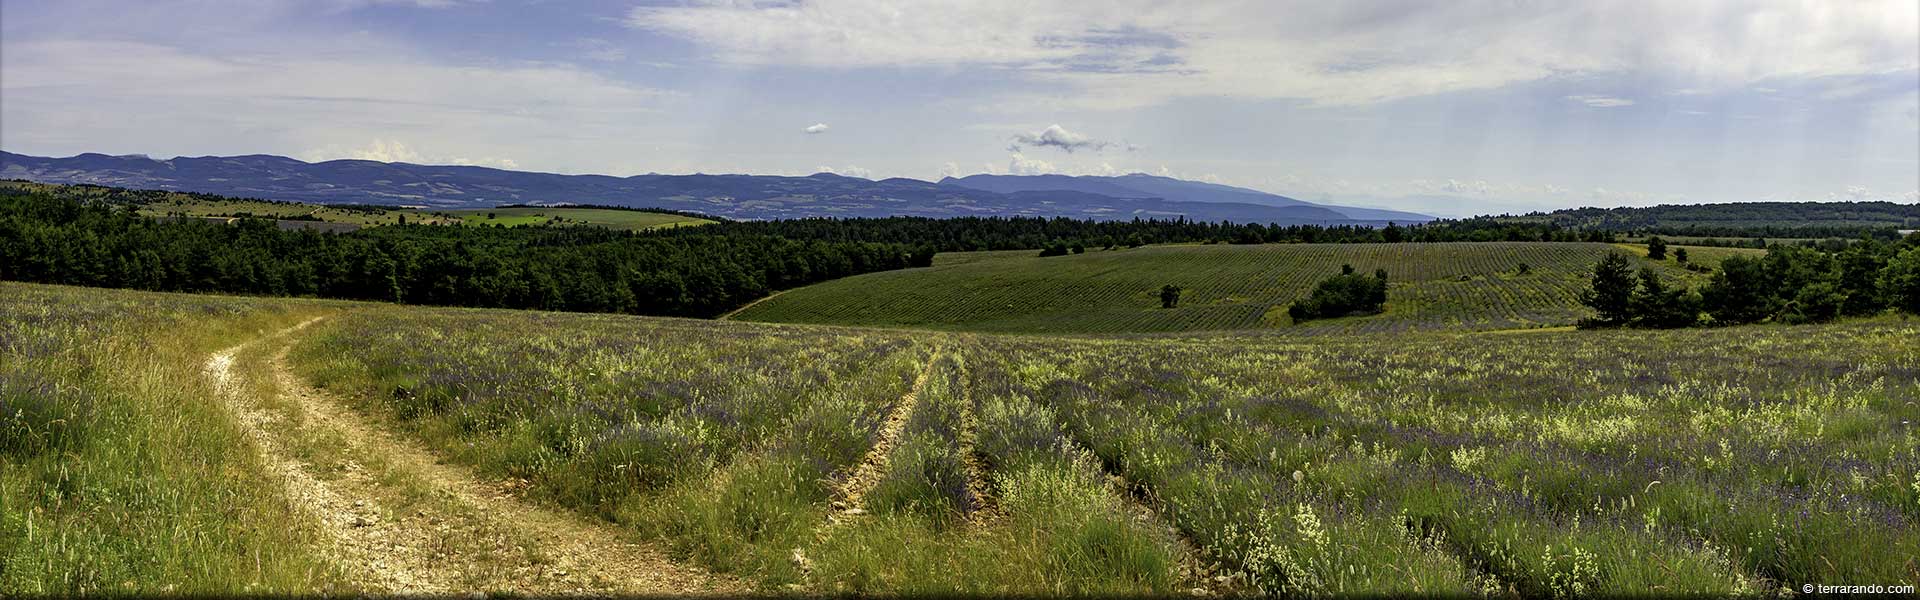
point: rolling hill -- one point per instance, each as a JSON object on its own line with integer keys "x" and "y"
{"x": 734, "y": 196}
{"x": 1434, "y": 286}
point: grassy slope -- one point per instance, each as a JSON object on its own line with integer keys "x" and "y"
{"x": 1706, "y": 255}
{"x": 119, "y": 472}
{"x": 1228, "y": 287}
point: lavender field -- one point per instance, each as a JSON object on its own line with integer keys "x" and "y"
{"x": 1734, "y": 460}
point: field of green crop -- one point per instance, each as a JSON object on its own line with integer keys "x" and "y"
{"x": 803, "y": 458}
{"x": 1433, "y": 286}
{"x": 1736, "y": 460}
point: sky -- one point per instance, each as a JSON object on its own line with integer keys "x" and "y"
{"x": 1451, "y": 108}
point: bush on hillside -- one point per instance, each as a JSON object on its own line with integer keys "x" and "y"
{"x": 1170, "y": 295}
{"x": 1343, "y": 295}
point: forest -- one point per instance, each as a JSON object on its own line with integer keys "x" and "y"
{"x": 51, "y": 239}
{"x": 1741, "y": 219}
{"x": 1790, "y": 284}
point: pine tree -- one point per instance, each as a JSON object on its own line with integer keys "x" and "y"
{"x": 1611, "y": 293}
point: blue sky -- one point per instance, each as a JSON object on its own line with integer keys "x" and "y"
{"x": 1451, "y": 108}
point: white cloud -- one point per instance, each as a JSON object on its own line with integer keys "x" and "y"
{"x": 815, "y": 128}
{"x": 1861, "y": 193}
{"x": 1056, "y": 136}
{"x": 1133, "y": 52}
{"x": 599, "y": 50}
{"x": 1599, "y": 101}
{"x": 1018, "y": 164}
{"x": 384, "y": 150}
{"x": 847, "y": 171}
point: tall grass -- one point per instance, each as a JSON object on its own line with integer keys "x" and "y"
{"x": 120, "y": 472}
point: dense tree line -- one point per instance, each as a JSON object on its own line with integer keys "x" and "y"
{"x": 1343, "y": 295}
{"x": 1039, "y": 233}
{"x": 50, "y": 239}
{"x": 1743, "y": 219}
{"x": 1790, "y": 284}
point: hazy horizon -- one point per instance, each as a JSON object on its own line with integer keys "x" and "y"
{"x": 1477, "y": 107}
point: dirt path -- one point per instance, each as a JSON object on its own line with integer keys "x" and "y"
{"x": 731, "y": 313}
{"x": 988, "y": 508}
{"x": 405, "y": 523}
{"x": 874, "y": 466}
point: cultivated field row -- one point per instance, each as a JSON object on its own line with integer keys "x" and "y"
{"x": 1433, "y": 287}
{"x": 1554, "y": 463}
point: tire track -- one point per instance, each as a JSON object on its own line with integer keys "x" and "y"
{"x": 463, "y": 534}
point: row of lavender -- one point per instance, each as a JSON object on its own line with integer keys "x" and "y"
{"x": 1564, "y": 463}
{"x": 1718, "y": 461}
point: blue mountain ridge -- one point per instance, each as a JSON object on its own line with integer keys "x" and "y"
{"x": 731, "y": 196}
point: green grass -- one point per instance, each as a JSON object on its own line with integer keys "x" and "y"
{"x": 1434, "y": 286}
{"x": 1738, "y": 460}
{"x": 1711, "y": 461}
{"x": 120, "y": 472}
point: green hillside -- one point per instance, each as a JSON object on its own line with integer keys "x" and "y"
{"x": 1434, "y": 286}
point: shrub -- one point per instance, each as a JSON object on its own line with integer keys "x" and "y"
{"x": 1170, "y": 295}
{"x": 1656, "y": 248}
{"x": 1343, "y": 295}
{"x": 1680, "y": 255}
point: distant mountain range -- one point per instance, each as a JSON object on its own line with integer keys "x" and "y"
{"x": 732, "y": 196}
{"x": 1141, "y": 185}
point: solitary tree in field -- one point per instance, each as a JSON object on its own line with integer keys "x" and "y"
{"x": 1656, "y": 248}
{"x": 1680, "y": 255}
{"x": 1170, "y": 295}
{"x": 1612, "y": 292}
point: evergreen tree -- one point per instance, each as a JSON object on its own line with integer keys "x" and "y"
{"x": 1655, "y": 305}
{"x": 1900, "y": 280}
{"x": 1656, "y": 248}
{"x": 1738, "y": 292}
{"x": 1610, "y": 293}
